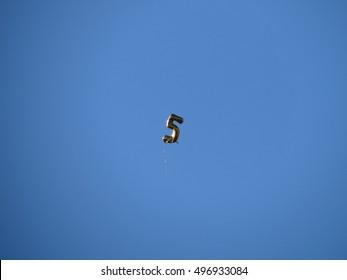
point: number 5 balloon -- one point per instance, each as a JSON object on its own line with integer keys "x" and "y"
{"x": 175, "y": 130}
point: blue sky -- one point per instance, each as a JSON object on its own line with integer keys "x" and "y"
{"x": 261, "y": 168}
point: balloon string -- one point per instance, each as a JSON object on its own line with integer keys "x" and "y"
{"x": 165, "y": 161}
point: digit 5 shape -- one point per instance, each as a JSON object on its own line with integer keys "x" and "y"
{"x": 175, "y": 130}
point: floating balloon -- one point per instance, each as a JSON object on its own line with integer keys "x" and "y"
{"x": 175, "y": 130}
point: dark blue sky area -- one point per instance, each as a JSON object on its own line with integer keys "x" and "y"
{"x": 261, "y": 168}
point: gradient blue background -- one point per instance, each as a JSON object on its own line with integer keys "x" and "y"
{"x": 261, "y": 168}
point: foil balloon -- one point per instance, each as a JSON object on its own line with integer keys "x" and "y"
{"x": 175, "y": 130}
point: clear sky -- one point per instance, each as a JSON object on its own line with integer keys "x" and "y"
{"x": 260, "y": 171}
